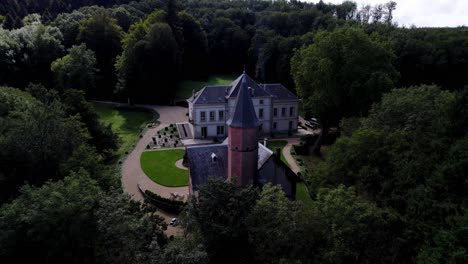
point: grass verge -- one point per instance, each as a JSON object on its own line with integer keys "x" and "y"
{"x": 160, "y": 167}
{"x": 272, "y": 145}
{"x": 127, "y": 123}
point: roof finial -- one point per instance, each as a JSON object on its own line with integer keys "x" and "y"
{"x": 244, "y": 69}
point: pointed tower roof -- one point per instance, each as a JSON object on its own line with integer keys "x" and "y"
{"x": 244, "y": 115}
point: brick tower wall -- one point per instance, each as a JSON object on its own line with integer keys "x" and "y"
{"x": 242, "y": 155}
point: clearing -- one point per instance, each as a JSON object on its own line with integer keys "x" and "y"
{"x": 126, "y": 122}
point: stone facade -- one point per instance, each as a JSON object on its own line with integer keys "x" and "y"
{"x": 276, "y": 108}
{"x": 240, "y": 158}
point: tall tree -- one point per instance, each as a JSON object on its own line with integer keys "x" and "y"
{"x": 219, "y": 219}
{"x": 75, "y": 70}
{"x": 341, "y": 74}
{"x": 102, "y": 35}
{"x": 150, "y": 62}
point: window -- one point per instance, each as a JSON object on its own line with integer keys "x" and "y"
{"x": 283, "y": 111}
{"x": 220, "y": 130}
{"x": 221, "y": 115}
{"x": 260, "y": 128}
{"x": 212, "y": 115}
{"x": 275, "y": 112}
{"x": 260, "y": 113}
{"x": 202, "y": 116}
{"x": 274, "y": 125}
{"x": 291, "y": 111}
{"x": 261, "y": 101}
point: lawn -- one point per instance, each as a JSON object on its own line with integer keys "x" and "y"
{"x": 160, "y": 167}
{"x": 301, "y": 190}
{"x": 127, "y": 123}
{"x": 302, "y": 194}
{"x": 185, "y": 88}
{"x": 272, "y": 145}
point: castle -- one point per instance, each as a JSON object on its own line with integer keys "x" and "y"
{"x": 240, "y": 158}
{"x": 210, "y": 108}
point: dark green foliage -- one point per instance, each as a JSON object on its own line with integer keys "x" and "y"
{"x": 75, "y": 70}
{"x": 17, "y": 9}
{"x": 341, "y": 74}
{"x": 102, "y": 136}
{"x": 406, "y": 158}
{"x": 74, "y": 221}
{"x": 185, "y": 250}
{"x": 149, "y": 63}
{"x": 127, "y": 231}
{"x": 51, "y": 223}
{"x": 101, "y": 34}
{"x": 338, "y": 227}
{"x": 165, "y": 204}
{"x": 219, "y": 218}
{"x": 35, "y": 138}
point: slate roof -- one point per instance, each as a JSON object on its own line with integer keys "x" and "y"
{"x": 217, "y": 94}
{"x": 279, "y": 92}
{"x": 244, "y": 115}
{"x": 210, "y": 95}
{"x": 251, "y": 84}
{"x": 263, "y": 155}
{"x": 202, "y": 166}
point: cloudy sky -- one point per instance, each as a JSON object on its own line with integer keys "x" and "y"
{"x": 423, "y": 13}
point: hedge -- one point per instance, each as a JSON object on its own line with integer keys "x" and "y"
{"x": 165, "y": 204}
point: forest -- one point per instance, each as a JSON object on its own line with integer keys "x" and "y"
{"x": 392, "y": 187}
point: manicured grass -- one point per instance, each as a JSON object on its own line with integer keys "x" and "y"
{"x": 160, "y": 167}
{"x": 272, "y": 145}
{"x": 301, "y": 190}
{"x": 185, "y": 88}
{"x": 302, "y": 194}
{"x": 127, "y": 123}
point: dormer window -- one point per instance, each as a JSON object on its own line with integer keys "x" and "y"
{"x": 214, "y": 158}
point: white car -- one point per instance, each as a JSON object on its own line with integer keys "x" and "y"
{"x": 173, "y": 222}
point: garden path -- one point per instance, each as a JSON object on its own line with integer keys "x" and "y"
{"x": 133, "y": 176}
{"x": 287, "y": 153}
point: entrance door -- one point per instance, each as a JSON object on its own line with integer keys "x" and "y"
{"x": 204, "y": 132}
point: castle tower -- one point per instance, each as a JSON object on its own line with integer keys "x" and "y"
{"x": 243, "y": 138}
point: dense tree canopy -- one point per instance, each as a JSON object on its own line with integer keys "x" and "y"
{"x": 342, "y": 73}
{"x": 392, "y": 189}
{"x": 76, "y": 70}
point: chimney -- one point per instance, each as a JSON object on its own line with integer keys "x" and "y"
{"x": 193, "y": 93}
{"x": 265, "y": 142}
{"x": 278, "y": 152}
{"x": 213, "y": 157}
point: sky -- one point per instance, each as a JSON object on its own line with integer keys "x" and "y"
{"x": 423, "y": 13}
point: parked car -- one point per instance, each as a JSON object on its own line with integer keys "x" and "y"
{"x": 312, "y": 123}
{"x": 173, "y": 222}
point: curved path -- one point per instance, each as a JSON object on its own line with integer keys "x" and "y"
{"x": 179, "y": 164}
{"x": 287, "y": 154}
{"x": 133, "y": 176}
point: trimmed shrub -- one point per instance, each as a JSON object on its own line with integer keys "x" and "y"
{"x": 162, "y": 203}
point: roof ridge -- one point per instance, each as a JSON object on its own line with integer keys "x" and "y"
{"x": 244, "y": 115}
